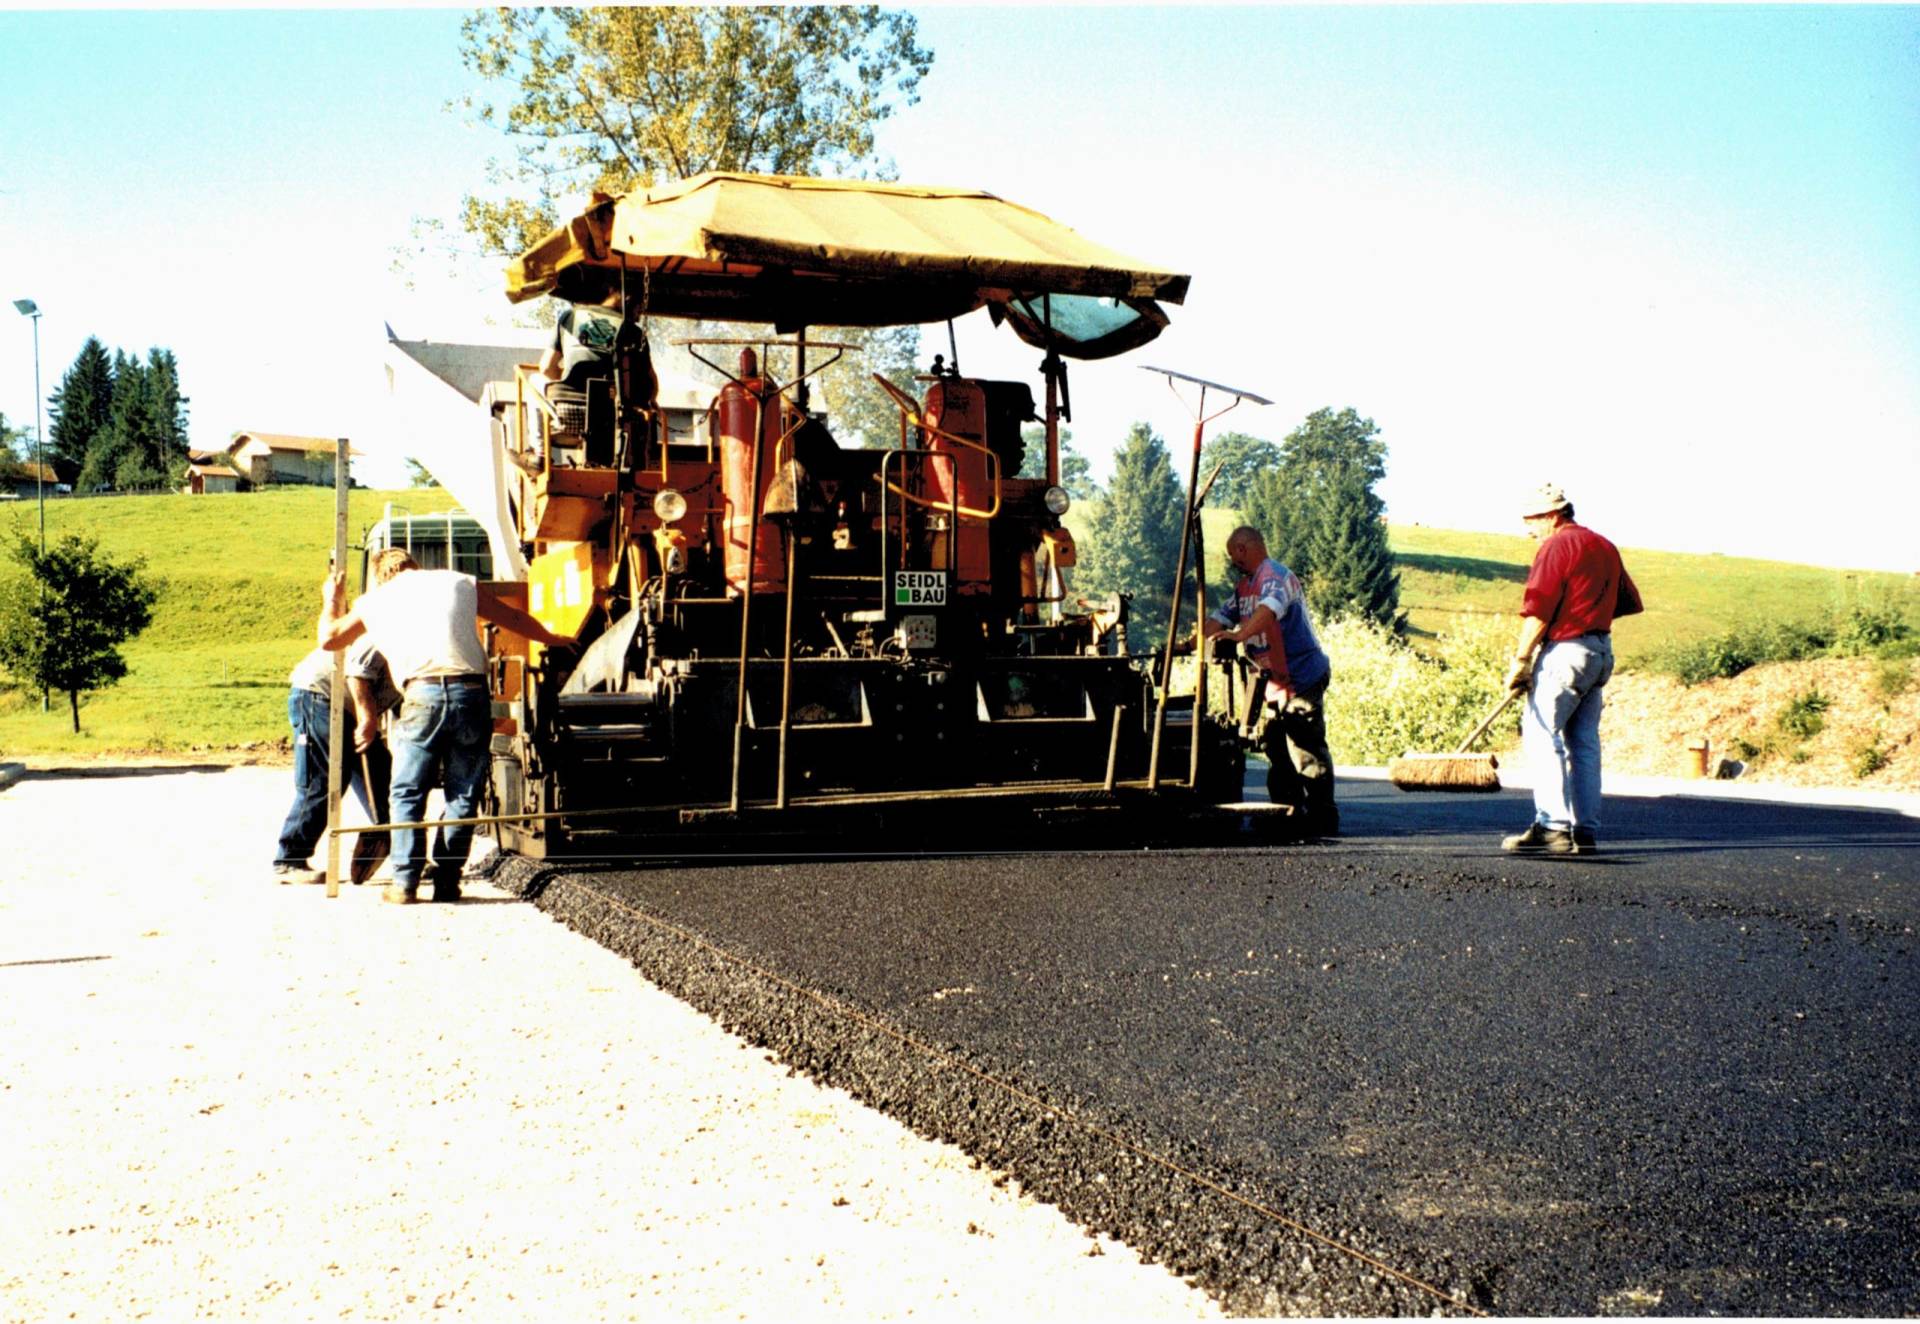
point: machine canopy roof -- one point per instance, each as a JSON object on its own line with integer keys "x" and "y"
{"x": 799, "y": 252}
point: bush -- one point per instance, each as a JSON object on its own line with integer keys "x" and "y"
{"x": 1387, "y": 699}
{"x": 1870, "y": 756}
{"x": 1892, "y": 678}
{"x": 1726, "y": 655}
{"x": 1869, "y": 624}
{"x": 1804, "y": 715}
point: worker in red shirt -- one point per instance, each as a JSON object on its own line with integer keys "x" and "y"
{"x": 1562, "y": 662}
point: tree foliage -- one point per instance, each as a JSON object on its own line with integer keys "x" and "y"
{"x": 82, "y": 408}
{"x": 62, "y": 623}
{"x": 16, "y": 444}
{"x": 1322, "y": 517}
{"x": 1133, "y": 534}
{"x": 1076, "y": 471}
{"x": 1242, "y": 460}
{"x": 615, "y": 99}
{"x": 120, "y": 422}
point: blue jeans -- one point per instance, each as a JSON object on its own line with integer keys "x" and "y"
{"x": 1560, "y": 730}
{"x": 442, "y": 740}
{"x": 309, "y": 711}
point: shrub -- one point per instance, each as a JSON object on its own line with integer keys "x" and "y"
{"x": 1870, "y": 757}
{"x": 1725, "y": 655}
{"x": 1892, "y": 678}
{"x": 1387, "y": 698}
{"x": 1868, "y": 624}
{"x": 1804, "y": 714}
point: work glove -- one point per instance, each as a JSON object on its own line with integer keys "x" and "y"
{"x": 1520, "y": 675}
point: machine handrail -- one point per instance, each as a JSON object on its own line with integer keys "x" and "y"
{"x": 910, "y": 413}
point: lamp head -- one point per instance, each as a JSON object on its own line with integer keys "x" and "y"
{"x": 27, "y": 307}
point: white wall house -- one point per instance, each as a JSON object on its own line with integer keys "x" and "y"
{"x": 268, "y": 458}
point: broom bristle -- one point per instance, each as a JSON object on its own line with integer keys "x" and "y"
{"x": 1444, "y": 772}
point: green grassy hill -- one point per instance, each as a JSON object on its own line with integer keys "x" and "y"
{"x": 240, "y": 576}
{"x": 1444, "y": 574}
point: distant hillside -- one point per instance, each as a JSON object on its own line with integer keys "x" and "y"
{"x": 240, "y": 580}
{"x": 1444, "y": 574}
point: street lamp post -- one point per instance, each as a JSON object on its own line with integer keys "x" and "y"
{"x": 28, "y": 308}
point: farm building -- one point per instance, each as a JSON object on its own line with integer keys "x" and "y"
{"x": 210, "y": 471}
{"x": 24, "y": 479}
{"x": 268, "y": 458}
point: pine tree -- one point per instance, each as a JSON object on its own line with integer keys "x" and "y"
{"x": 1133, "y": 534}
{"x": 1322, "y": 517}
{"x": 82, "y": 408}
{"x": 165, "y": 415}
{"x": 115, "y": 445}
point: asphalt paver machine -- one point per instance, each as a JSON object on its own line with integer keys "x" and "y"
{"x": 782, "y": 636}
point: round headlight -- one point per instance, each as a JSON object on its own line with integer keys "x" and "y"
{"x": 1057, "y": 500}
{"x": 669, "y": 505}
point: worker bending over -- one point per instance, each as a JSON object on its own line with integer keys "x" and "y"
{"x": 426, "y": 622}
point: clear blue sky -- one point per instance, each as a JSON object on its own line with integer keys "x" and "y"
{"x": 1666, "y": 256}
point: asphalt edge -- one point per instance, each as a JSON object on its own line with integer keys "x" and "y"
{"x": 1249, "y": 1263}
{"x": 1515, "y": 777}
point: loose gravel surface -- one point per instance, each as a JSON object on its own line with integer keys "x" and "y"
{"x": 221, "y": 1098}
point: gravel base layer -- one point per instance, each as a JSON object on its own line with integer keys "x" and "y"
{"x": 222, "y": 1098}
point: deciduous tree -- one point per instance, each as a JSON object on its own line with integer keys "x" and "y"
{"x": 16, "y": 444}
{"x": 619, "y": 98}
{"x": 1242, "y": 460}
{"x": 63, "y": 621}
{"x": 1076, "y": 472}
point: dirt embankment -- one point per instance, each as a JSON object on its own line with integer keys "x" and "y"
{"x": 1833, "y": 722}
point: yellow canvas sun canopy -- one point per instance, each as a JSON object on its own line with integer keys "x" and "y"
{"x": 799, "y": 252}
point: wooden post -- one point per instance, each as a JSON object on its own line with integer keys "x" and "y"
{"x": 337, "y": 710}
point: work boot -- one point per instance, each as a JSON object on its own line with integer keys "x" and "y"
{"x": 401, "y": 894}
{"x": 446, "y": 882}
{"x": 297, "y": 873}
{"x": 1584, "y": 842}
{"x": 1538, "y": 840}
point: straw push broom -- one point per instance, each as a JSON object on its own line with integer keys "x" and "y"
{"x": 1458, "y": 771}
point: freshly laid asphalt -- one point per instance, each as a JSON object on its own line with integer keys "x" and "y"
{"x": 1394, "y": 1073}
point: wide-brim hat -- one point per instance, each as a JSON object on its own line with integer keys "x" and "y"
{"x": 1545, "y": 499}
